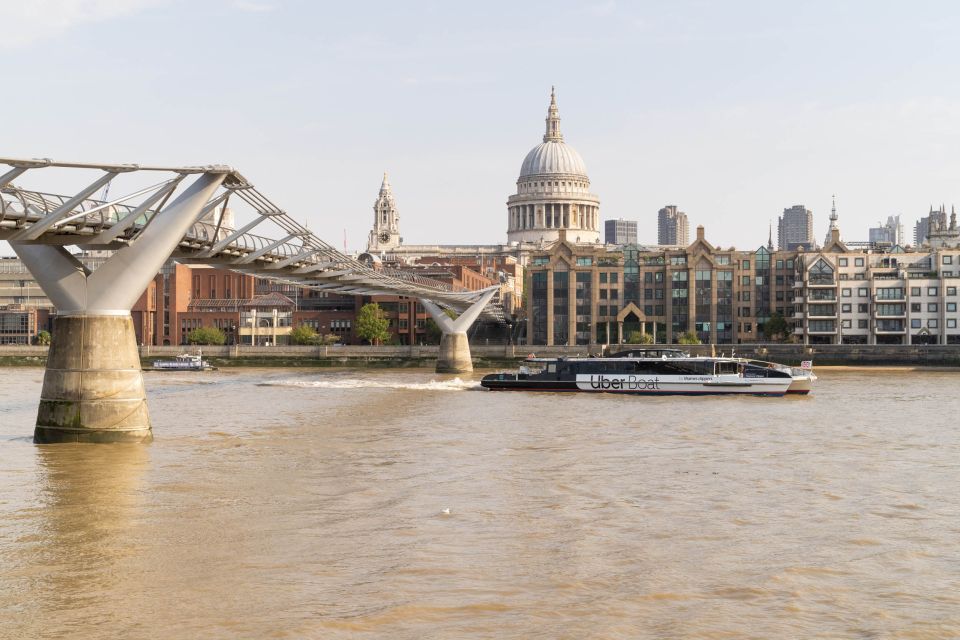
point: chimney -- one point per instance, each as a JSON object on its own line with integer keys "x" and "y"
{"x": 699, "y": 232}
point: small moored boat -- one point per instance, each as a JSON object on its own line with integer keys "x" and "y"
{"x": 184, "y": 362}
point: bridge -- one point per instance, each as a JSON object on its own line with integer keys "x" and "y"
{"x": 93, "y": 385}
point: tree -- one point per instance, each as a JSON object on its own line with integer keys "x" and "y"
{"x": 689, "y": 337}
{"x": 206, "y": 335}
{"x": 372, "y": 326}
{"x": 42, "y": 337}
{"x": 638, "y": 337}
{"x": 304, "y": 334}
{"x": 775, "y": 327}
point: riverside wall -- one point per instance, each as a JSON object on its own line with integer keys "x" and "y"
{"x": 507, "y": 355}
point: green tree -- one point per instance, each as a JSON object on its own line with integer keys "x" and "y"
{"x": 690, "y": 337}
{"x": 42, "y": 337}
{"x": 304, "y": 334}
{"x": 206, "y": 335}
{"x": 372, "y": 326}
{"x": 638, "y": 337}
{"x": 776, "y": 327}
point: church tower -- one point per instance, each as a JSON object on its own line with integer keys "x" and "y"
{"x": 385, "y": 234}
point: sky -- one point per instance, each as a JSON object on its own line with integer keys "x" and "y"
{"x": 731, "y": 110}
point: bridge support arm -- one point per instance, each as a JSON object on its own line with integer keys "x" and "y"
{"x": 454, "y": 355}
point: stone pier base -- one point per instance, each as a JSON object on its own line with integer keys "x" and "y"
{"x": 93, "y": 386}
{"x": 454, "y": 356}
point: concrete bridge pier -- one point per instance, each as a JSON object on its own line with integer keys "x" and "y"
{"x": 454, "y": 355}
{"x": 93, "y": 386}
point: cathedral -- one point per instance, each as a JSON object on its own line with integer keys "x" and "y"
{"x": 553, "y": 192}
{"x": 553, "y": 195}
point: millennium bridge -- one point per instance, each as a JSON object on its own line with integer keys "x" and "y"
{"x": 93, "y": 385}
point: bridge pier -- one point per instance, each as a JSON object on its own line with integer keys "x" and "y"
{"x": 93, "y": 386}
{"x": 454, "y": 355}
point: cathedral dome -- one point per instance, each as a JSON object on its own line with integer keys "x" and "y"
{"x": 553, "y": 157}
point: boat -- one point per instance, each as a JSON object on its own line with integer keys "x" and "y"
{"x": 803, "y": 376}
{"x": 644, "y": 374}
{"x": 184, "y": 362}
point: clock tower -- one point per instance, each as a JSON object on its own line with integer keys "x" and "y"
{"x": 385, "y": 234}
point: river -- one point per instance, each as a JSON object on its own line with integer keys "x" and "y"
{"x": 279, "y": 503}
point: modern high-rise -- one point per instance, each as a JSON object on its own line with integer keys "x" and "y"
{"x": 795, "y": 229}
{"x": 672, "y": 227}
{"x": 620, "y": 231}
{"x": 890, "y": 233}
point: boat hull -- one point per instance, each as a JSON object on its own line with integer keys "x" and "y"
{"x": 633, "y": 385}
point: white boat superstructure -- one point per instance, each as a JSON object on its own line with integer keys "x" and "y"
{"x": 184, "y": 362}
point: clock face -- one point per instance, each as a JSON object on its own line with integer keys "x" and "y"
{"x": 384, "y": 237}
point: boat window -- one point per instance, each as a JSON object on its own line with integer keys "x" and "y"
{"x": 726, "y": 367}
{"x": 552, "y": 368}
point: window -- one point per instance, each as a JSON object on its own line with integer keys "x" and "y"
{"x": 914, "y": 291}
{"x": 863, "y": 308}
{"x": 603, "y": 277}
{"x": 931, "y": 291}
{"x": 678, "y": 259}
{"x": 846, "y": 308}
{"x": 932, "y": 307}
{"x": 779, "y": 264}
{"x": 541, "y": 260}
{"x": 748, "y": 327}
{"x": 584, "y": 262}
{"x": 951, "y": 306}
{"x": 932, "y": 323}
{"x": 723, "y": 259}
{"x": 915, "y": 323}
{"x": 863, "y": 292}
{"x": 746, "y": 296}
{"x": 861, "y": 324}
{"x": 846, "y": 293}
{"x": 947, "y": 259}
{"x": 745, "y": 280}
{"x": 843, "y": 262}
{"x": 858, "y": 262}
{"x": 746, "y": 265}
{"x": 951, "y": 291}
{"x": 951, "y": 323}
{"x": 614, "y": 278}
{"x": 846, "y": 324}
{"x": 916, "y": 307}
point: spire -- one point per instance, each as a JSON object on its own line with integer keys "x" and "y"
{"x": 385, "y": 185}
{"x": 553, "y": 120}
{"x": 833, "y": 231}
{"x": 770, "y": 238}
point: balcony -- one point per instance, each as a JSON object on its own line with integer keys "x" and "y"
{"x": 891, "y": 314}
{"x": 890, "y": 327}
{"x": 820, "y": 316}
{"x": 888, "y": 298}
{"x": 822, "y": 332}
{"x": 797, "y": 300}
{"x": 821, "y": 284}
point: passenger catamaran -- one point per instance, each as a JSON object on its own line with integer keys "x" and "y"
{"x": 649, "y": 372}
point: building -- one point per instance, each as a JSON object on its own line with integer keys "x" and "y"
{"x": 553, "y": 192}
{"x": 672, "y": 227}
{"x": 932, "y": 221}
{"x": 385, "y": 234}
{"x": 584, "y": 295}
{"x": 867, "y": 297}
{"x": 890, "y": 234}
{"x": 795, "y": 229}
{"x": 20, "y": 324}
{"x": 620, "y": 231}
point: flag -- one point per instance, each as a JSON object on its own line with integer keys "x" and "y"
{"x": 806, "y": 364}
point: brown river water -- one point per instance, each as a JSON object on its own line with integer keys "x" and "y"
{"x": 405, "y": 504}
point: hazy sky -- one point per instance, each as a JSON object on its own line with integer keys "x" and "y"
{"x": 731, "y": 110}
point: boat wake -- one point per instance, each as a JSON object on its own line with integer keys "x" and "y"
{"x": 356, "y": 383}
